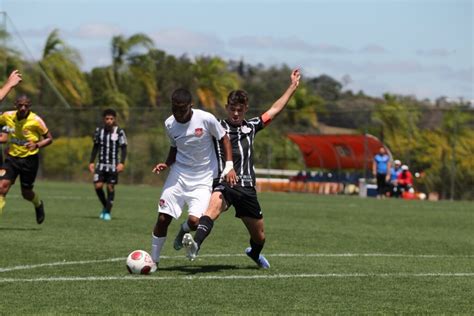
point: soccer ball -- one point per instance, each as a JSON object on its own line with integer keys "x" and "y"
{"x": 140, "y": 262}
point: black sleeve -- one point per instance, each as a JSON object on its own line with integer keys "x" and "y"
{"x": 94, "y": 152}
{"x": 123, "y": 153}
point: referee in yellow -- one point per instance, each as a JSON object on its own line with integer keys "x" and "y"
{"x": 27, "y": 133}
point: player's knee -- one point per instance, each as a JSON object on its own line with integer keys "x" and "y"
{"x": 4, "y": 187}
{"x": 27, "y": 193}
{"x": 98, "y": 185}
{"x": 193, "y": 222}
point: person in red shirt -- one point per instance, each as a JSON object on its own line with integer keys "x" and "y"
{"x": 405, "y": 179}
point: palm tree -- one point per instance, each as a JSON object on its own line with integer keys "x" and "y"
{"x": 125, "y": 48}
{"x": 60, "y": 64}
{"x": 131, "y": 65}
{"x": 213, "y": 81}
{"x": 11, "y": 59}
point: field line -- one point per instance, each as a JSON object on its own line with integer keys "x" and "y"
{"x": 236, "y": 277}
{"x": 83, "y": 262}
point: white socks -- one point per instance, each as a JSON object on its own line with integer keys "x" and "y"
{"x": 156, "y": 246}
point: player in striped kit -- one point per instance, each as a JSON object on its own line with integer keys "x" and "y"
{"x": 108, "y": 140}
{"x": 243, "y": 195}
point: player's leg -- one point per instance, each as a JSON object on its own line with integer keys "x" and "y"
{"x": 158, "y": 237}
{"x": 8, "y": 174}
{"x": 256, "y": 230}
{"x": 99, "y": 190}
{"x": 170, "y": 206}
{"x": 217, "y": 205}
{"x": 248, "y": 209}
{"x": 110, "y": 201}
{"x": 28, "y": 170}
{"x": 197, "y": 200}
{"x": 4, "y": 188}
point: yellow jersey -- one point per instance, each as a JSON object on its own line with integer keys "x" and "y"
{"x": 21, "y": 132}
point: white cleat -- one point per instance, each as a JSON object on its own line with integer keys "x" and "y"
{"x": 191, "y": 246}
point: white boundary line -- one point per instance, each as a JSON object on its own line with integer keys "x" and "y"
{"x": 65, "y": 263}
{"x": 237, "y": 277}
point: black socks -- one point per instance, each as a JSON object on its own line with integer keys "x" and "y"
{"x": 101, "y": 195}
{"x": 203, "y": 230}
{"x": 256, "y": 249}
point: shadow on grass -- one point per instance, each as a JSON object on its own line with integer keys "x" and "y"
{"x": 98, "y": 219}
{"x": 20, "y": 228}
{"x": 195, "y": 269}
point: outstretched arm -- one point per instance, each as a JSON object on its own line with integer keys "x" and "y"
{"x": 13, "y": 80}
{"x": 280, "y": 104}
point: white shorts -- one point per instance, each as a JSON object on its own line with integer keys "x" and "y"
{"x": 176, "y": 193}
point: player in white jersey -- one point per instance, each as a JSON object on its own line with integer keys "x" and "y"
{"x": 192, "y": 160}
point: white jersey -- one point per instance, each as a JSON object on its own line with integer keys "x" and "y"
{"x": 196, "y": 159}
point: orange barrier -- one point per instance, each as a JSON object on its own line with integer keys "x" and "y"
{"x": 284, "y": 185}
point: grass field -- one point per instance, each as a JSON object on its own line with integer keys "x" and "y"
{"x": 329, "y": 254}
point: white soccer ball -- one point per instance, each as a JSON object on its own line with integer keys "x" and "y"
{"x": 140, "y": 262}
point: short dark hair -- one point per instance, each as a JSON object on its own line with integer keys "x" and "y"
{"x": 238, "y": 97}
{"x": 23, "y": 97}
{"x": 109, "y": 112}
{"x": 181, "y": 97}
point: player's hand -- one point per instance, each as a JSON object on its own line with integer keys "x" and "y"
{"x": 31, "y": 145}
{"x": 295, "y": 77}
{"x": 14, "y": 78}
{"x": 120, "y": 167}
{"x": 159, "y": 167}
{"x": 231, "y": 178}
{"x": 92, "y": 167}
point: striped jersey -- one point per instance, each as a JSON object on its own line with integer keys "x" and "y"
{"x": 241, "y": 138}
{"x": 20, "y": 132}
{"x": 109, "y": 142}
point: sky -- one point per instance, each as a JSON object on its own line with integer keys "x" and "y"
{"x": 422, "y": 48}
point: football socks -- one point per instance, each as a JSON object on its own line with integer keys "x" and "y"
{"x": 36, "y": 200}
{"x": 156, "y": 246}
{"x": 110, "y": 200}
{"x": 256, "y": 249}
{"x": 203, "y": 230}
{"x": 101, "y": 195}
{"x": 2, "y": 204}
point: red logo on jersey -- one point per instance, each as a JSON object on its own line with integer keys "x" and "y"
{"x": 198, "y": 132}
{"x": 162, "y": 203}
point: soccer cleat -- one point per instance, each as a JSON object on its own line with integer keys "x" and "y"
{"x": 178, "y": 241}
{"x": 262, "y": 262}
{"x": 107, "y": 217}
{"x": 101, "y": 216}
{"x": 191, "y": 246}
{"x": 40, "y": 213}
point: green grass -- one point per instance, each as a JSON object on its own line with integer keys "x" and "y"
{"x": 329, "y": 254}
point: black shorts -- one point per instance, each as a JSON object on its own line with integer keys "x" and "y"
{"x": 244, "y": 199}
{"x": 26, "y": 168}
{"x": 105, "y": 177}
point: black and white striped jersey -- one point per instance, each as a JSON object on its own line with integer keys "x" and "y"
{"x": 241, "y": 138}
{"x": 107, "y": 144}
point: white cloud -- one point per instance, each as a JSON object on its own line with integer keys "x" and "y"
{"x": 96, "y": 31}
{"x": 180, "y": 41}
{"x": 287, "y": 43}
{"x": 435, "y": 52}
{"x": 373, "y": 49}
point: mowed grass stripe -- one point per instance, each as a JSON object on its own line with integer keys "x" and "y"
{"x": 239, "y": 277}
{"x": 292, "y": 255}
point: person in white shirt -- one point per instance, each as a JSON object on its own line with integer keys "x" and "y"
{"x": 192, "y": 160}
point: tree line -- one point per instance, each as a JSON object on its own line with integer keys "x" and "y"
{"x": 435, "y": 138}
